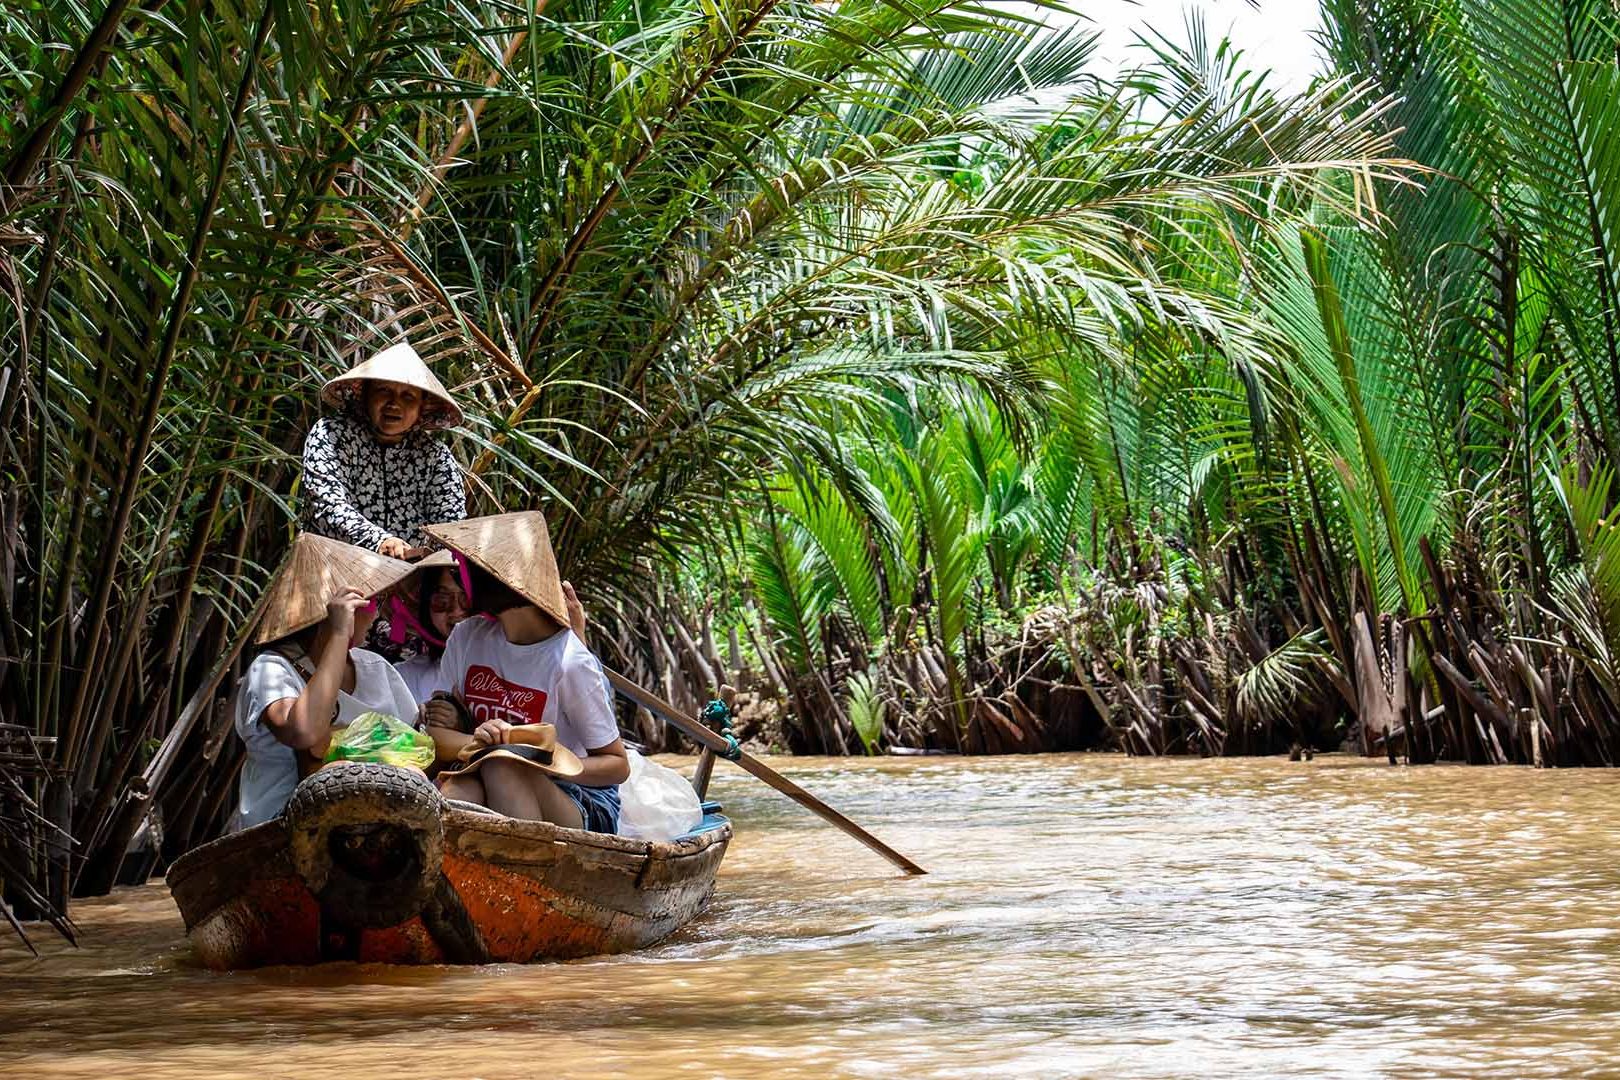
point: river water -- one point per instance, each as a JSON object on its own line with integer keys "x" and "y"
{"x": 1084, "y": 916}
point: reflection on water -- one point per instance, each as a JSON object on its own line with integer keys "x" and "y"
{"x": 1085, "y": 916}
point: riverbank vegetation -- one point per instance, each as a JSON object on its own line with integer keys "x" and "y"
{"x": 1371, "y": 501}
{"x": 884, "y": 360}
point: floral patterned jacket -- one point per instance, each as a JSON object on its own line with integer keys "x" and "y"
{"x": 358, "y": 490}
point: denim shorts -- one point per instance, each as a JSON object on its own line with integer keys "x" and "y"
{"x": 598, "y": 806}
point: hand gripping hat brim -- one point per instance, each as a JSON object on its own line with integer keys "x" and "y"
{"x": 398, "y": 363}
{"x": 315, "y": 569}
{"x": 516, "y": 548}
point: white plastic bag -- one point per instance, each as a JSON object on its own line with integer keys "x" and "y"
{"x": 656, "y": 803}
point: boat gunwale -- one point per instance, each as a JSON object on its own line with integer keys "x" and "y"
{"x": 546, "y": 832}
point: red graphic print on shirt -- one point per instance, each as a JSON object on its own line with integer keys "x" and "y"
{"x": 490, "y": 697}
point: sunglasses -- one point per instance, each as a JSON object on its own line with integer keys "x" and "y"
{"x": 446, "y": 601}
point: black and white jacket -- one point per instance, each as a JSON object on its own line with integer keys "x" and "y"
{"x": 358, "y": 490}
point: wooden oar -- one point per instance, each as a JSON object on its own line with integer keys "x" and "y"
{"x": 709, "y": 740}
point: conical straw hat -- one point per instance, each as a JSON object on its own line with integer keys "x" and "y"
{"x": 397, "y": 363}
{"x": 516, "y": 548}
{"x": 435, "y": 560}
{"x": 314, "y": 570}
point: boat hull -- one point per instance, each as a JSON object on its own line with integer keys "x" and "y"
{"x": 507, "y": 891}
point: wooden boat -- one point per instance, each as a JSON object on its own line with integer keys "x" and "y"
{"x": 370, "y": 863}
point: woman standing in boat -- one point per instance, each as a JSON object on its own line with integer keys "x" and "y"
{"x": 522, "y": 668}
{"x": 378, "y": 471}
{"x": 311, "y": 676}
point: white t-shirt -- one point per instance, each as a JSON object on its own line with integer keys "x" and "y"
{"x": 556, "y": 681}
{"x": 421, "y": 675}
{"x": 271, "y": 770}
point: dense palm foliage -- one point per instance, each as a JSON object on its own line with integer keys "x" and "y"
{"x": 979, "y": 403}
{"x": 1382, "y": 513}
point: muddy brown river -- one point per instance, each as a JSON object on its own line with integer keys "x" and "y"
{"x": 1084, "y": 916}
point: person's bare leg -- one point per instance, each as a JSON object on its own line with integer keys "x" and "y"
{"x": 509, "y": 790}
{"x": 556, "y": 807}
{"x": 466, "y": 788}
{"x": 520, "y": 792}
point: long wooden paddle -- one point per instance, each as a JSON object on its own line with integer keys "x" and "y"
{"x": 709, "y": 740}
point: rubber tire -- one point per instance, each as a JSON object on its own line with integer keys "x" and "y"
{"x": 362, "y": 793}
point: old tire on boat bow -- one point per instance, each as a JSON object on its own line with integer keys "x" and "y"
{"x": 368, "y": 840}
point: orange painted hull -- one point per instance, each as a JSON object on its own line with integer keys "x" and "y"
{"x": 509, "y": 892}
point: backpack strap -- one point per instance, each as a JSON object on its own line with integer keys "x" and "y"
{"x": 294, "y": 654}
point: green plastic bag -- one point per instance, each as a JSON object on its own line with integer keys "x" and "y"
{"x": 385, "y": 739}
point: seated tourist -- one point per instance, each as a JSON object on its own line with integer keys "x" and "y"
{"x": 523, "y": 667}
{"x": 432, "y": 609}
{"x": 310, "y": 678}
{"x": 430, "y": 612}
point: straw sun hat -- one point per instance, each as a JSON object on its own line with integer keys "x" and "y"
{"x": 534, "y": 745}
{"x": 398, "y": 363}
{"x": 315, "y": 570}
{"x": 516, "y": 548}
